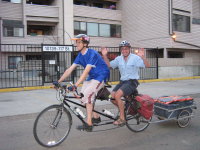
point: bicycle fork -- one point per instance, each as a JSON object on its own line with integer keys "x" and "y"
{"x": 57, "y": 118}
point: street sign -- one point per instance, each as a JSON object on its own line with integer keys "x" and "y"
{"x": 57, "y": 48}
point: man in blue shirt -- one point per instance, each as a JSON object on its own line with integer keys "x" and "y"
{"x": 95, "y": 70}
{"x": 128, "y": 65}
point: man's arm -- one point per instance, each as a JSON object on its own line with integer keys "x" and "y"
{"x": 146, "y": 62}
{"x": 83, "y": 75}
{"x": 104, "y": 53}
{"x": 141, "y": 53}
{"x": 67, "y": 72}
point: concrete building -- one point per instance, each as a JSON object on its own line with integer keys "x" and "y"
{"x": 150, "y": 23}
{"x": 145, "y": 23}
{"x": 34, "y": 21}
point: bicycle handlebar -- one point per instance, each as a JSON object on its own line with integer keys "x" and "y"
{"x": 64, "y": 87}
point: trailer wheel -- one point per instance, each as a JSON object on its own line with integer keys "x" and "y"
{"x": 184, "y": 118}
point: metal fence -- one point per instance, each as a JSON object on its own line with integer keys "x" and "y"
{"x": 24, "y": 65}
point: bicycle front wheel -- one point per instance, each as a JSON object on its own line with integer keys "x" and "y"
{"x": 136, "y": 122}
{"x": 52, "y": 126}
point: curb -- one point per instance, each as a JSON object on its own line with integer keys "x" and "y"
{"x": 162, "y": 80}
{"x": 112, "y": 83}
{"x": 24, "y": 89}
{"x": 169, "y": 79}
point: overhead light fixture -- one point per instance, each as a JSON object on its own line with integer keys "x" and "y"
{"x": 173, "y": 35}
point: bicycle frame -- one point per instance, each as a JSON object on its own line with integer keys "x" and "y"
{"x": 66, "y": 102}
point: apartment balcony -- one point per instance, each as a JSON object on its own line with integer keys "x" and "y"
{"x": 112, "y": 0}
{"x": 100, "y": 13}
{"x": 10, "y": 10}
{"x": 41, "y": 12}
{"x": 45, "y": 39}
{"x": 31, "y": 39}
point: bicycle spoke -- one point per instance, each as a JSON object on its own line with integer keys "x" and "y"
{"x": 136, "y": 122}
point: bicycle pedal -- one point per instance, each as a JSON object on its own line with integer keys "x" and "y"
{"x": 80, "y": 129}
{"x": 85, "y": 128}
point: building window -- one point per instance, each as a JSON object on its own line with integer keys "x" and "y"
{"x": 33, "y": 57}
{"x": 96, "y": 3}
{"x": 104, "y": 30}
{"x": 13, "y": 61}
{"x": 95, "y": 29}
{"x": 174, "y": 54}
{"x": 92, "y": 29}
{"x": 39, "y": 30}
{"x": 195, "y": 21}
{"x": 38, "y": 2}
{"x": 18, "y": 32}
{"x": 181, "y": 23}
{"x": 77, "y": 2}
{"x": 13, "y": 1}
{"x": 13, "y": 28}
{"x": 115, "y": 30}
{"x": 80, "y": 28}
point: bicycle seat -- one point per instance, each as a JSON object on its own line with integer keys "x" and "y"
{"x": 135, "y": 93}
{"x": 132, "y": 96}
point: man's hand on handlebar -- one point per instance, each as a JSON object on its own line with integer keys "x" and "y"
{"x": 72, "y": 88}
{"x": 56, "y": 85}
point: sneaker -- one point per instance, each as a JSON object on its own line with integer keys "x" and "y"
{"x": 96, "y": 120}
{"x": 85, "y": 127}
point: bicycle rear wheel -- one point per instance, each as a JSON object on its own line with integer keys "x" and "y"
{"x": 136, "y": 123}
{"x": 52, "y": 126}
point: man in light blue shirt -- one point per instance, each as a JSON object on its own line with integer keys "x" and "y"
{"x": 128, "y": 65}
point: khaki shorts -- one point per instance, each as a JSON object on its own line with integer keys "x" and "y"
{"x": 89, "y": 90}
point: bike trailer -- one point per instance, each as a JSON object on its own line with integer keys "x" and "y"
{"x": 145, "y": 105}
{"x": 170, "y": 106}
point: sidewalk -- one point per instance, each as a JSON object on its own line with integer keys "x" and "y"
{"x": 26, "y": 102}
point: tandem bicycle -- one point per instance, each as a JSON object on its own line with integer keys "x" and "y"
{"x": 53, "y": 124}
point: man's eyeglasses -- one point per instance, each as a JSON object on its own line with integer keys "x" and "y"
{"x": 125, "y": 48}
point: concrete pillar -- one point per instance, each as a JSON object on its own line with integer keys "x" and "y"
{"x": 68, "y": 19}
{"x": 165, "y": 53}
{"x": 1, "y": 30}
{"x": 24, "y": 18}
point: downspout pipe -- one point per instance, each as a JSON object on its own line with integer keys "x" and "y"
{"x": 0, "y": 31}
{"x": 170, "y": 6}
{"x": 63, "y": 2}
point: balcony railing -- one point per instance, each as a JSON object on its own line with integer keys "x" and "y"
{"x": 41, "y": 11}
{"x": 93, "y": 12}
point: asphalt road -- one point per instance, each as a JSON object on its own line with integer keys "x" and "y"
{"x": 16, "y": 134}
